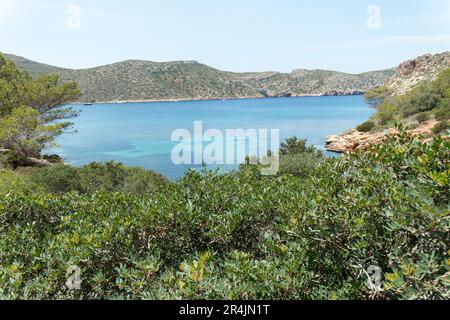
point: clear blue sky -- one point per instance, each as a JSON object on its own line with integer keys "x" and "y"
{"x": 235, "y": 35}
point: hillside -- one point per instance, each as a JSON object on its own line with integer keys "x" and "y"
{"x": 412, "y": 72}
{"x": 32, "y": 67}
{"x": 417, "y": 96}
{"x": 136, "y": 80}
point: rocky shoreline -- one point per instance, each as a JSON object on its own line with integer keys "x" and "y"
{"x": 352, "y": 139}
{"x": 282, "y": 95}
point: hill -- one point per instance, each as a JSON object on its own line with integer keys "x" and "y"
{"x": 412, "y": 72}
{"x": 137, "y": 80}
{"x": 33, "y": 68}
{"x": 417, "y": 96}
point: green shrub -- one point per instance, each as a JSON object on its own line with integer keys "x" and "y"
{"x": 243, "y": 235}
{"x": 13, "y": 181}
{"x": 109, "y": 177}
{"x": 442, "y": 113}
{"x": 294, "y": 145}
{"x": 115, "y": 177}
{"x": 428, "y": 96}
{"x": 300, "y": 165}
{"x": 386, "y": 113}
{"x": 4, "y": 163}
{"x": 424, "y": 98}
{"x": 106, "y": 177}
{"x": 366, "y": 126}
{"x": 58, "y": 179}
{"x": 441, "y": 127}
{"x": 377, "y": 96}
{"x": 140, "y": 182}
{"x": 422, "y": 117}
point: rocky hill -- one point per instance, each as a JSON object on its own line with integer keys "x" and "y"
{"x": 136, "y": 80}
{"x": 410, "y": 73}
{"x": 407, "y": 76}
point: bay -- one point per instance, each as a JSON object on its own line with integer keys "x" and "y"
{"x": 139, "y": 134}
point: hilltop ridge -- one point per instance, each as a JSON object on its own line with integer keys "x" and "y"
{"x": 139, "y": 80}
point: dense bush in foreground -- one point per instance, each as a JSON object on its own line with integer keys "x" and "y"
{"x": 244, "y": 236}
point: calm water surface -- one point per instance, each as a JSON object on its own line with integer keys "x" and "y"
{"x": 139, "y": 134}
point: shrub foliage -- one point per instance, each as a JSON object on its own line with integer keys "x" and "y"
{"x": 242, "y": 235}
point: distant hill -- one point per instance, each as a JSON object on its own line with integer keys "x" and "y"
{"x": 33, "y": 68}
{"x": 412, "y": 72}
{"x": 136, "y": 80}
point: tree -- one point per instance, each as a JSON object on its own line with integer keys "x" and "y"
{"x": 295, "y": 146}
{"x": 25, "y": 134}
{"x": 377, "y": 96}
{"x": 31, "y": 110}
{"x": 13, "y": 86}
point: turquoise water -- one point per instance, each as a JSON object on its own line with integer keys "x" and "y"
{"x": 139, "y": 134}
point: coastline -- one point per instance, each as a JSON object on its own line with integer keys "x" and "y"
{"x": 208, "y": 99}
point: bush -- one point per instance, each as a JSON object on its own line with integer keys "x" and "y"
{"x": 115, "y": 177}
{"x": 300, "y": 165}
{"x": 140, "y": 182}
{"x": 242, "y": 235}
{"x": 386, "y": 113}
{"x": 441, "y": 127}
{"x": 424, "y": 98}
{"x": 107, "y": 177}
{"x": 294, "y": 145}
{"x": 422, "y": 117}
{"x": 377, "y": 96}
{"x": 442, "y": 113}
{"x": 57, "y": 179}
{"x": 366, "y": 126}
{"x": 428, "y": 96}
{"x": 13, "y": 181}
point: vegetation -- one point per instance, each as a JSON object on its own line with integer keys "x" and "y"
{"x": 144, "y": 80}
{"x": 311, "y": 232}
{"x": 242, "y": 235}
{"x": 108, "y": 177}
{"x": 95, "y": 177}
{"x": 294, "y": 146}
{"x": 377, "y": 96}
{"x": 441, "y": 127}
{"x": 422, "y": 117}
{"x": 31, "y": 115}
{"x": 442, "y": 113}
{"x": 411, "y": 73}
{"x": 427, "y": 101}
{"x": 366, "y": 126}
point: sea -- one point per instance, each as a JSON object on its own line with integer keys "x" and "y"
{"x": 145, "y": 134}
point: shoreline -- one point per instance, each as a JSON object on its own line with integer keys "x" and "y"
{"x": 352, "y": 139}
{"x": 207, "y": 99}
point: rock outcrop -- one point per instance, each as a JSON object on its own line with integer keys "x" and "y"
{"x": 411, "y": 73}
{"x": 343, "y": 93}
{"x": 352, "y": 140}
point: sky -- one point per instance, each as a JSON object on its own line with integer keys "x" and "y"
{"x": 235, "y": 35}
